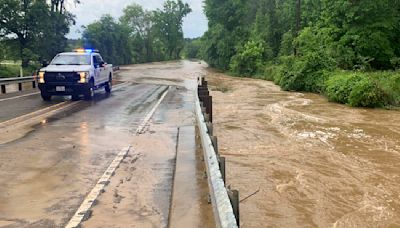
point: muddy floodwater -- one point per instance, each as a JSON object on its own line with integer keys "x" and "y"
{"x": 306, "y": 162}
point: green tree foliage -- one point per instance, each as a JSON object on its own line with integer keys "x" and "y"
{"x": 308, "y": 40}
{"x": 140, "y": 35}
{"x": 140, "y": 23}
{"x": 192, "y": 48}
{"x": 168, "y": 22}
{"x": 111, "y": 38}
{"x": 39, "y": 27}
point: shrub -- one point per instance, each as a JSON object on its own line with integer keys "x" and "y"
{"x": 339, "y": 86}
{"x": 367, "y": 93}
{"x": 360, "y": 89}
{"x": 305, "y": 73}
{"x": 248, "y": 59}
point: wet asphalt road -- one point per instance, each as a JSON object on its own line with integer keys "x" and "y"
{"x": 13, "y": 108}
{"x": 52, "y": 167}
{"x": 46, "y": 173}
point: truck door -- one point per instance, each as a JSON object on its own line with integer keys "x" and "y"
{"x": 102, "y": 67}
{"x": 97, "y": 70}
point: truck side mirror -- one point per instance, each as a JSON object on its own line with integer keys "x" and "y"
{"x": 45, "y": 63}
{"x": 103, "y": 64}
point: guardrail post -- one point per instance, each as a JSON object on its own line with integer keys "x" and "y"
{"x": 3, "y": 88}
{"x": 212, "y": 158}
{"x": 208, "y": 104}
{"x": 20, "y": 86}
{"x": 221, "y": 162}
{"x": 234, "y": 198}
{"x": 34, "y": 84}
{"x": 214, "y": 141}
{"x": 210, "y": 128}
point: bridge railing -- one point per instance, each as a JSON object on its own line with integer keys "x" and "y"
{"x": 225, "y": 202}
{"x": 17, "y": 80}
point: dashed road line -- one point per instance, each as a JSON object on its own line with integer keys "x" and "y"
{"x": 84, "y": 211}
{"x": 38, "y": 113}
{"x": 151, "y": 113}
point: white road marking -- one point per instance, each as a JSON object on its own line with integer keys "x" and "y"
{"x": 25, "y": 95}
{"x": 37, "y": 113}
{"x": 84, "y": 210}
{"x": 151, "y": 113}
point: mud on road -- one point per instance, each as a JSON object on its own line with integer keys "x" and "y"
{"x": 310, "y": 163}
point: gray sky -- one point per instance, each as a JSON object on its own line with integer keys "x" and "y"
{"x": 195, "y": 24}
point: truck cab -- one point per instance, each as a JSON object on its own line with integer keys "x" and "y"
{"x": 75, "y": 74}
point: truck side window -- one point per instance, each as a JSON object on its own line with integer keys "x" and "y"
{"x": 100, "y": 59}
{"x": 95, "y": 61}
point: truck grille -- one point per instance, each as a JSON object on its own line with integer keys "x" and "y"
{"x": 61, "y": 77}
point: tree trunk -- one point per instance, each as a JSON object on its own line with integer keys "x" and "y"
{"x": 298, "y": 23}
{"x": 24, "y": 59}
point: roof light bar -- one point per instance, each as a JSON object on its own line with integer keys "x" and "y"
{"x": 81, "y": 50}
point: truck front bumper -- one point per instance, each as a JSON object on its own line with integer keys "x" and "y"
{"x": 70, "y": 88}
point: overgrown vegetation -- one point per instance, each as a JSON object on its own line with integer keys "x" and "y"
{"x": 347, "y": 50}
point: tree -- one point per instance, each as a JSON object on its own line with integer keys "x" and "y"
{"x": 141, "y": 26}
{"x": 39, "y": 31}
{"x": 169, "y": 22}
{"x": 109, "y": 37}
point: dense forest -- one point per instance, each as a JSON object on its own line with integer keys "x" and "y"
{"x": 346, "y": 49}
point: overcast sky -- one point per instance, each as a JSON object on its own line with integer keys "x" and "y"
{"x": 195, "y": 24}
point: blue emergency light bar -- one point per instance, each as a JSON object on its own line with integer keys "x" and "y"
{"x": 81, "y": 50}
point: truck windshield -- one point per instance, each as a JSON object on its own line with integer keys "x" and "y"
{"x": 71, "y": 60}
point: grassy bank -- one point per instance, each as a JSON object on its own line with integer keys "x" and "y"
{"x": 354, "y": 88}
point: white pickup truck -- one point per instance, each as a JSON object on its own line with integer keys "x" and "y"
{"x": 75, "y": 73}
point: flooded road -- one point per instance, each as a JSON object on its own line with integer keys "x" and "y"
{"x": 308, "y": 162}
{"x": 51, "y": 159}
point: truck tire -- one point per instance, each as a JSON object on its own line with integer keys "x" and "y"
{"x": 75, "y": 97}
{"x": 45, "y": 96}
{"x": 108, "y": 87}
{"x": 89, "y": 94}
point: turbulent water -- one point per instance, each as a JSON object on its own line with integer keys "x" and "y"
{"x": 307, "y": 162}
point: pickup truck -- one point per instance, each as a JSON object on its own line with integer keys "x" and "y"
{"x": 75, "y": 73}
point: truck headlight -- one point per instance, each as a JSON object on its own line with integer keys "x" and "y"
{"x": 83, "y": 77}
{"x": 41, "y": 77}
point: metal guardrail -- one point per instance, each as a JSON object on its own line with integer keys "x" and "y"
{"x": 17, "y": 80}
{"x": 225, "y": 202}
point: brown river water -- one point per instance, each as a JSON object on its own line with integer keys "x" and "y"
{"x": 306, "y": 162}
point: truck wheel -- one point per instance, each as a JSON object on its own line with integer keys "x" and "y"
{"x": 75, "y": 97}
{"x": 108, "y": 87}
{"x": 89, "y": 94}
{"x": 45, "y": 96}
